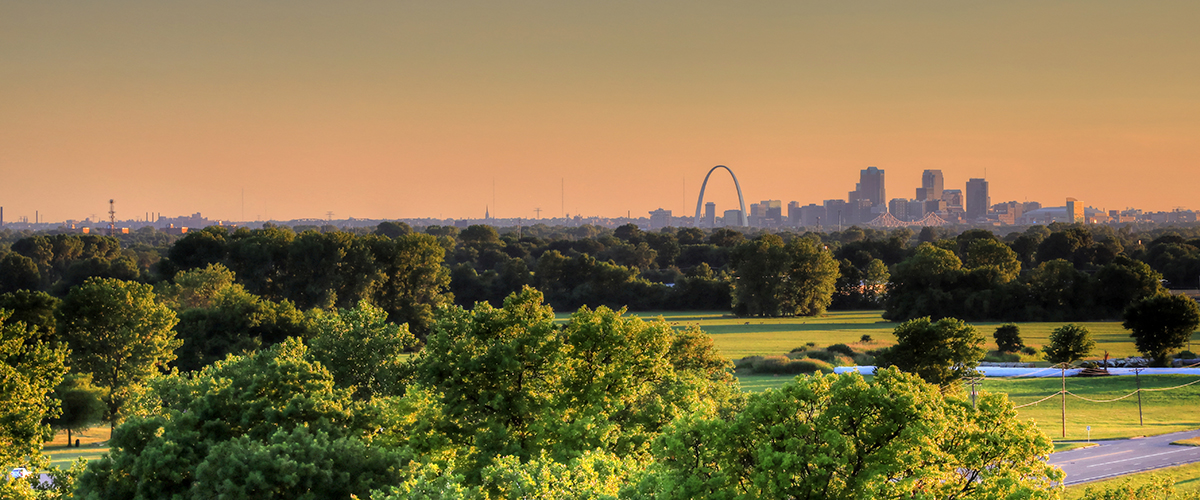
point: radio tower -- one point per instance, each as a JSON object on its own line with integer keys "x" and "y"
{"x": 112, "y": 218}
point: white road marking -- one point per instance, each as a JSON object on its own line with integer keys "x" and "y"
{"x": 1139, "y": 458}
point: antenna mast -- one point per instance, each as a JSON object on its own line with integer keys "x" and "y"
{"x": 112, "y": 217}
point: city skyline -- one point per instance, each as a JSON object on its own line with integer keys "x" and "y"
{"x": 394, "y": 110}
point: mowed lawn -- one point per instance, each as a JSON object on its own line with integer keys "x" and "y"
{"x": 93, "y": 443}
{"x": 741, "y": 337}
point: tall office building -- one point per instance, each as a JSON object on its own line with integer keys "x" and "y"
{"x": 710, "y": 214}
{"x": 870, "y": 186}
{"x": 836, "y": 213}
{"x": 977, "y": 199}
{"x": 732, "y": 218}
{"x": 793, "y": 214}
{"x": 1075, "y": 210}
{"x": 931, "y": 186}
{"x": 660, "y": 218}
{"x": 813, "y": 215}
{"x": 898, "y": 207}
{"x": 772, "y": 212}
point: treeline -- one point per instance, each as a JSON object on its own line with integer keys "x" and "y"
{"x": 1057, "y": 273}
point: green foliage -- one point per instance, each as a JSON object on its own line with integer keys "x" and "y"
{"x": 403, "y": 275}
{"x": 119, "y": 334}
{"x": 514, "y": 383}
{"x": 940, "y": 352}
{"x": 1068, "y": 344}
{"x": 1162, "y": 323}
{"x": 1008, "y": 338}
{"x": 81, "y": 404}
{"x": 29, "y": 371}
{"x": 297, "y": 464}
{"x": 204, "y": 416}
{"x": 593, "y": 476}
{"x": 362, "y": 350}
{"x": 35, "y": 309}
{"x": 774, "y": 279}
{"x": 841, "y": 437}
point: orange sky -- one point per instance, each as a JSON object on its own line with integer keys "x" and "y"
{"x": 413, "y": 109}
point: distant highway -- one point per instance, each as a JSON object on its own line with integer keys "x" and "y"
{"x": 1125, "y": 456}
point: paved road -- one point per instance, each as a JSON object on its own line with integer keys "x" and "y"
{"x": 1125, "y": 456}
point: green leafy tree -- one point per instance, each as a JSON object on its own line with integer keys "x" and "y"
{"x": 940, "y": 352}
{"x": 774, "y": 279}
{"x": 18, "y": 272}
{"x": 362, "y": 350}
{"x": 514, "y": 383}
{"x": 1008, "y": 338}
{"x": 1162, "y": 323}
{"x": 992, "y": 254}
{"x": 80, "y": 404}
{"x": 1068, "y": 344}
{"x": 28, "y": 374}
{"x": 1123, "y": 281}
{"x": 298, "y": 464}
{"x": 119, "y": 334}
{"x": 242, "y": 408}
{"x": 809, "y": 279}
{"x": 35, "y": 309}
{"x": 841, "y": 437}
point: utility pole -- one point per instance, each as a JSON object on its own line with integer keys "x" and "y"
{"x": 538, "y": 211}
{"x": 1063, "y": 367}
{"x": 1138, "y": 379}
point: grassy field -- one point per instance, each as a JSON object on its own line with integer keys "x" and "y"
{"x": 1186, "y": 477}
{"x": 741, "y": 337}
{"x": 93, "y": 443}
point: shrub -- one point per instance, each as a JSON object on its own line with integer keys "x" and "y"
{"x": 1186, "y": 355}
{"x": 866, "y": 339}
{"x": 825, "y": 356}
{"x": 1002, "y": 357}
{"x": 863, "y": 359}
{"x": 800, "y": 349}
{"x": 785, "y": 365}
{"x": 811, "y": 344}
{"x": 1029, "y": 351}
{"x": 841, "y": 349}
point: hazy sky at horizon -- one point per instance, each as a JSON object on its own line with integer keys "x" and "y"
{"x": 416, "y": 109}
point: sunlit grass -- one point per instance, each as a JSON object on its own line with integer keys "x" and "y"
{"x": 93, "y": 444}
{"x": 1186, "y": 477}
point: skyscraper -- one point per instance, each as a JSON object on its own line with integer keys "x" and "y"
{"x": 870, "y": 186}
{"x": 977, "y": 198}
{"x": 1075, "y": 210}
{"x": 710, "y": 214}
{"x": 931, "y": 186}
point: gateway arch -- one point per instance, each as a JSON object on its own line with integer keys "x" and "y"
{"x": 700, "y": 202}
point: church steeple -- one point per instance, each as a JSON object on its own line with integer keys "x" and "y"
{"x": 486, "y": 214}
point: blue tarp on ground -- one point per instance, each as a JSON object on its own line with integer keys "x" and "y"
{"x": 996, "y": 371}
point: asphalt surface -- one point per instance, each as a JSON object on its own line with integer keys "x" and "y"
{"x": 1125, "y": 456}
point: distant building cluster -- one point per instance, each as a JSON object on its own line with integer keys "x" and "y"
{"x": 932, "y": 205}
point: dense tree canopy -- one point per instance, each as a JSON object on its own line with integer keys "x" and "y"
{"x": 1162, "y": 323}
{"x": 514, "y": 383}
{"x": 119, "y": 333}
{"x": 772, "y": 278}
{"x": 841, "y": 437}
{"x": 29, "y": 371}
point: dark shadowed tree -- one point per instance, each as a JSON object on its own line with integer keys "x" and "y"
{"x": 1162, "y": 323}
